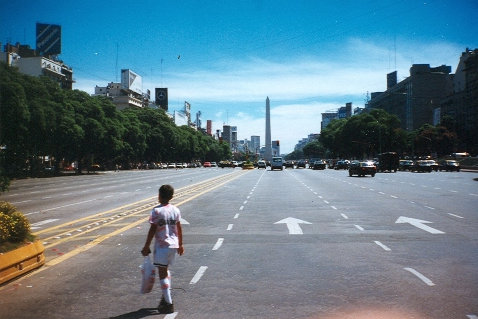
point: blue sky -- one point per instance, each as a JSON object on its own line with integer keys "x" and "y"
{"x": 307, "y": 56}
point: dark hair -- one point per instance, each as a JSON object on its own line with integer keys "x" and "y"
{"x": 166, "y": 192}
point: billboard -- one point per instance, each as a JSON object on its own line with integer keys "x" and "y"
{"x": 48, "y": 39}
{"x": 131, "y": 81}
{"x": 162, "y": 98}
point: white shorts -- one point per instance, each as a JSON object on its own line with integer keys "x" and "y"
{"x": 164, "y": 257}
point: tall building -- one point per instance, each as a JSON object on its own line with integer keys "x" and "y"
{"x": 255, "y": 144}
{"x": 268, "y": 153}
{"x": 415, "y": 99}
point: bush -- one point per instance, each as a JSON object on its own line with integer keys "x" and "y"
{"x": 6, "y": 225}
{"x": 21, "y": 227}
{"x": 7, "y": 208}
{"x": 14, "y": 226}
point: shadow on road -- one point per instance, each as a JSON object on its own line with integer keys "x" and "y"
{"x": 138, "y": 314}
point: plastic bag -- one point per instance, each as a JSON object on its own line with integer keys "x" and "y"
{"x": 148, "y": 275}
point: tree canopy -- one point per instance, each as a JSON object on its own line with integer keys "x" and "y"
{"x": 39, "y": 120}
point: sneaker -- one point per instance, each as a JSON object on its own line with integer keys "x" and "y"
{"x": 165, "y": 307}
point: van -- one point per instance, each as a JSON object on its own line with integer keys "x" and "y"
{"x": 277, "y": 163}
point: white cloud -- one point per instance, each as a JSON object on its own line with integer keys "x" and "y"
{"x": 302, "y": 87}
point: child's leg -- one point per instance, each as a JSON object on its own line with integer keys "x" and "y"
{"x": 165, "y": 283}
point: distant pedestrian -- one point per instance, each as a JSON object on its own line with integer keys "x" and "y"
{"x": 166, "y": 229}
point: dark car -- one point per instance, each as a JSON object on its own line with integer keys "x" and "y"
{"x": 449, "y": 166}
{"x": 362, "y": 169}
{"x": 342, "y": 164}
{"x": 405, "y": 165}
{"x": 320, "y": 164}
{"x": 422, "y": 166}
{"x": 289, "y": 164}
{"x": 301, "y": 163}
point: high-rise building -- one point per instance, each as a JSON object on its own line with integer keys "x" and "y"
{"x": 255, "y": 144}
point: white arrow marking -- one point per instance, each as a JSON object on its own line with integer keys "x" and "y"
{"x": 419, "y": 224}
{"x": 293, "y": 225}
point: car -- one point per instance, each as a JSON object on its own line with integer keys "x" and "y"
{"x": 289, "y": 164}
{"x": 449, "y": 166}
{"x": 277, "y": 163}
{"x": 342, "y": 164}
{"x": 362, "y": 168}
{"x": 261, "y": 164}
{"x": 234, "y": 164}
{"x": 422, "y": 166}
{"x": 301, "y": 163}
{"x": 434, "y": 165}
{"x": 320, "y": 164}
{"x": 171, "y": 165}
{"x": 206, "y": 164}
{"x": 213, "y": 164}
{"x": 405, "y": 165}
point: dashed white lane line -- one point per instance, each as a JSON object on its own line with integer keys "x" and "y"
{"x": 245, "y": 202}
{"x": 429, "y": 207}
{"x": 384, "y": 247}
{"x": 47, "y": 221}
{"x": 229, "y": 227}
{"x": 454, "y": 215}
{"x": 326, "y": 202}
{"x": 171, "y": 315}
{"x": 198, "y": 275}
{"x": 344, "y": 216}
{"x": 241, "y": 208}
{"x": 393, "y": 196}
{"x": 218, "y": 244}
{"x": 333, "y": 207}
{"x": 49, "y": 209}
{"x": 359, "y": 227}
{"x": 420, "y": 276}
{"x": 236, "y": 216}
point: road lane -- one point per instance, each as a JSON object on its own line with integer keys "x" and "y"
{"x": 258, "y": 269}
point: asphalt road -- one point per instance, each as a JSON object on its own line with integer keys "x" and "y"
{"x": 258, "y": 244}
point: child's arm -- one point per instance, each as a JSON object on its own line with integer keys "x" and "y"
{"x": 152, "y": 230}
{"x": 180, "y": 238}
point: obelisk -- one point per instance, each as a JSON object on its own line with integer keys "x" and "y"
{"x": 268, "y": 153}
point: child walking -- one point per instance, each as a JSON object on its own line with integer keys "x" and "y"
{"x": 165, "y": 227}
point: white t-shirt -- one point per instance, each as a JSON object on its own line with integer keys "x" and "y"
{"x": 166, "y": 217}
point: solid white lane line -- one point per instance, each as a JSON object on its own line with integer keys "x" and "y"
{"x": 218, "y": 244}
{"x": 420, "y": 276}
{"x": 229, "y": 227}
{"x": 382, "y": 245}
{"x": 198, "y": 275}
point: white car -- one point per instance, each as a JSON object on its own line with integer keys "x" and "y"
{"x": 261, "y": 164}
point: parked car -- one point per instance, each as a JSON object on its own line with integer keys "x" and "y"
{"x": 449, "y": 166}
{"x": 213, "y": 164}
{"x": 261, "y": 164}
{"x": 206, "y": 164}
{"x": 433, "y": 164}
{"x": 319, "y": 164}
{"x": 362, "y": 168}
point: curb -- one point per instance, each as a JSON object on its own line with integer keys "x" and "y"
{"x": 21, "y": 260}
